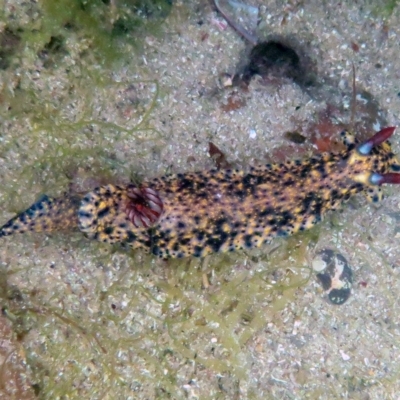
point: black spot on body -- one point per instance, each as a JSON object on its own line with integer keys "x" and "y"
{"x": 288, "y": 182}
{"x": 306, "y": 202}
{"x": 197, "y": 251}
{"x": 200, "y": 236}
{"x": 131, "y": 237}
{"x": 84, "y": 214}
{"x": 395, "y": 167}
{"x": 248, "y": 241}
{"x": 215, "y": 243}
{"x": 186, "y": 183}
{"x": 285, "y": 219}
{"x": 223, "y": 237}
{"x": 180, "y": 225}
{"x": 103, "y": 212}
{"x": 202, "y": 195}
{"x": 220, "y": 222}
{"x": 230, "y": 187}
{"x": 250, "y": 181}
{"x": 240, "y": 193}
{"x": 200, "y": 185}
{"x": 175, "y": 247}
{"x": 108, "y": 230}
{"x": 320, "y": 167}
{"x": 305, "y": 171}
{"x": 31, "y": 212}
{"x": 282, "y": 233}
{"x": 266, "y": 211}
{"x": 317, "y": 211}
{"x": 39, "y": 206}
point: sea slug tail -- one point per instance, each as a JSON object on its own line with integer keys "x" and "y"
{"x": 48, "y": 214}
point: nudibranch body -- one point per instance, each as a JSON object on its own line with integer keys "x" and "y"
{"x": 198, "y": 213}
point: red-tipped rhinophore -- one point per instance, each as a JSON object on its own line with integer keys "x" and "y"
{"x": 379, "y": 137}
{"x": 144, "y": 206}
{"x": 380, "y": 179}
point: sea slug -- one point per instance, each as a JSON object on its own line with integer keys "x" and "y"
{"x": 198, "y": 213}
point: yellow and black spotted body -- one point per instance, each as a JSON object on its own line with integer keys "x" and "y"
{"x": 45, "y": 215}
{"x": 195, "y": 214}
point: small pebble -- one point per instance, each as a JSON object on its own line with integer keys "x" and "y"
{"x": 334, "y": 274}
{"x": 252, "y": 134}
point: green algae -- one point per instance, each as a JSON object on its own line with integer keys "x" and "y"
{"x": 385, "y": 8}
{"x": 151, "y": 318}
{"x": 106, "y": 25}
{"x": 62, "y": 145}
